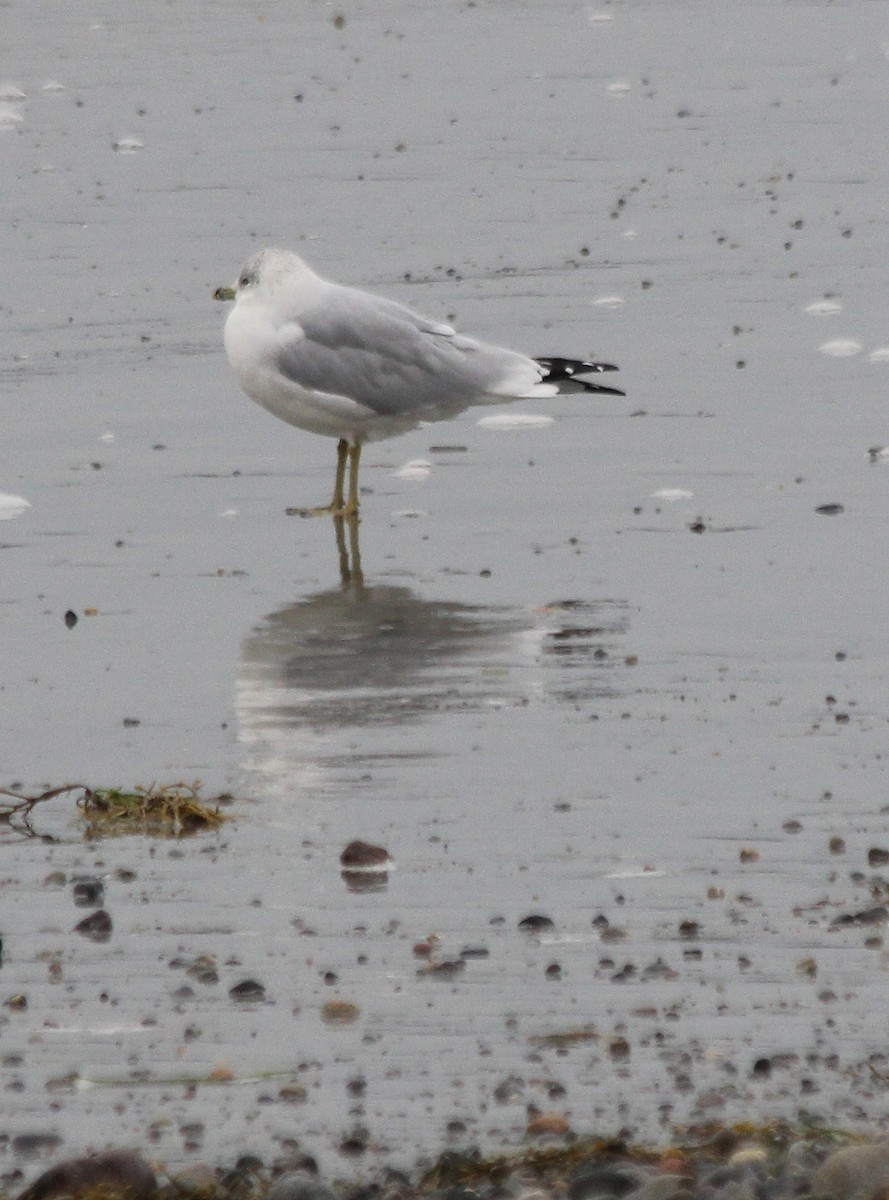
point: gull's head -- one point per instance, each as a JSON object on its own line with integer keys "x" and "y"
{"x": 265, "y": 273}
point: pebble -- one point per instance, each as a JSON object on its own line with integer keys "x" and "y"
{"x": 97, "y": 926}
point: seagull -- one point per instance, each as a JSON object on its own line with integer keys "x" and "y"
{"x": 358, "y": 367}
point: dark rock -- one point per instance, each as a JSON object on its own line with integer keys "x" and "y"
{"x": 509, "y": 1089}
{"x": 535, "y": 923}
{"x": 29, "y": 1145}
{"x": 115, "y": 1173}
{"x": 88, "y": 892}
{"x": 97, "y": 926}
{"x": 247, "y": 990}
{"x": 363, "y": 854}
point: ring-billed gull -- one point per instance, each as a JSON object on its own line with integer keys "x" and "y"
{"x": 357, "y": 367}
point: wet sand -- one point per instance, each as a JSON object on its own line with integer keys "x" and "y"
{"x": 624, "y": 670}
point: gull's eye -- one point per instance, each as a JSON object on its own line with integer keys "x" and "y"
{"x": 244, "y": 280}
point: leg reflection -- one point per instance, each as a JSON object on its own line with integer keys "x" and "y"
{"x": 349, "y": 551}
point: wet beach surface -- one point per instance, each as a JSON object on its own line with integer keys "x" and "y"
{"x": 622, "y": 667}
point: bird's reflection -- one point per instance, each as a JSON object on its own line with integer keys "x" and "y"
{"x": 373, "y": 653}
{"x": 363, "y": 655}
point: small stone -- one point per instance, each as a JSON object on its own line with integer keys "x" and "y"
{"x": 88, "y": 892}
{"x": 363, "y": 854}
{"x": 30, "y": 1145}
{"x": 247, "y": 991}
{"x": 536, "y": 923}
{"x": 425, "y": 948}
{"x": 339, "y": 1012}
{"x": 509, "y": 1089}
{"x": 619, "y": 1048}
{"x": 97, "y": 926}
{"x": 448, "y": 968}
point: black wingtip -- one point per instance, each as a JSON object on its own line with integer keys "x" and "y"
{"x": 569, "y": 368}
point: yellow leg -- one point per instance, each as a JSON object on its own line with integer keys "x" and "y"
{"x": 338, "y": 506}
{"x": 342, "y": 449}
{"x": 351, "y": 506}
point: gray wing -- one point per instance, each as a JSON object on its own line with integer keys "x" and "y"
{"x": 386, "y": 357}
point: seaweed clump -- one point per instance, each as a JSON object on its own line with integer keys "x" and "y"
{"x": 174, "y": 810}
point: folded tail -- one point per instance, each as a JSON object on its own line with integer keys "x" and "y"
{"x": 567, "y": 370}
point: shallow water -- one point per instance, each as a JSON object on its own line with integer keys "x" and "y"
{"x": 586, "y": 663}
